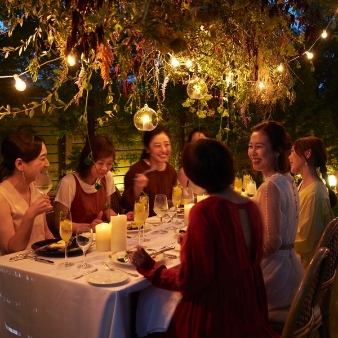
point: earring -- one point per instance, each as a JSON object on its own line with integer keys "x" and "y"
{"x": 23, "y": 174}
{"x": 306, "y": 163}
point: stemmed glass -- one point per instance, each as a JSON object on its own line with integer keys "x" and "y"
{"x": 171, "y": 213}
{"x": 144, "y": 199}
{"x": 176, "y": 199}
{"x": 66, "y": 228}
{"x": 160, "y": 209}
{"x": 139, "y": 217}
{"x": 43, "y": 183}
{"x": 187, "y": 195}
{"x": 84, "y": 238}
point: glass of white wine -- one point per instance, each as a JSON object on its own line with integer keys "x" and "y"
{"x": 172, "y": 212}
{"x": 43, "y": 183}
{"x": 66, "y": 229}
{"x": 144, "y": 199}
{"x": 176, "y": 198}
{"x": 84, "y": 238}
{"x": 160, "y": 209}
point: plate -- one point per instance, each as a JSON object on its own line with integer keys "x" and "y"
{"x": 147, "y": 228}
{"x": 73, "y": 249}
{"x": 118, "y": 255}
{"x": 107, "y": 278}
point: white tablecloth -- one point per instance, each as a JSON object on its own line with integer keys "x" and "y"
{"x": 40, "y": 300}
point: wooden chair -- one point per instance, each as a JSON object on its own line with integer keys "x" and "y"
{"x": 115, "y": 202}
{"x": 329, "y": 239}
{"x": 297, "y": 321}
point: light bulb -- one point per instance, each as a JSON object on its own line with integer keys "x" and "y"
{"x": 174, "y": 62}
{"x": 197, "y": 88}
{"x": 188, "y": 63}
{"x": 71, "y": 60}
{"x": 324, "y": 34}
{"x": 261, "y": 85}
{"x": 309, "y": 55}
{"x": 280, "y": 68}
{"x": 332, "y": 180}
{"x": 20, "y": 85}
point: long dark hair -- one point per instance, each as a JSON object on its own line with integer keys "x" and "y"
{"x": 148, "y": 136}
{"x": 280, "y": 142}
{"x": 98, "y": 147}
{"x": 19, "y": 144}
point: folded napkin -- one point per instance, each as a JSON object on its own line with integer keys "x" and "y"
{"x": 155, "y": 309}
{"x": 154, "y": 219}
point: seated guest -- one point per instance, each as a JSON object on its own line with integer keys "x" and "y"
{"x": 195, "y": 134}
{"x": 22, "y": 207}
{"x": 87, "y": 192}
{"x": 308, "y": 154}
{"x": 156, "y": 153}
{"x": 278, "y": 200}
{"x": 219, "y": 277}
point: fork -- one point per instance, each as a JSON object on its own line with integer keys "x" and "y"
{"x": 146, "y": 172}
{"x": 110, "y": 268}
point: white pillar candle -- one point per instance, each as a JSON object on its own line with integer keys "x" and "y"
{"x": 187, "y": 208}
{"x": 103, "y": 237}
{"x": 201, "y": 197}
{"x": 118, "y": 233}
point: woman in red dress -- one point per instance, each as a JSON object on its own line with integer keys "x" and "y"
{"x": 220, "y": 278}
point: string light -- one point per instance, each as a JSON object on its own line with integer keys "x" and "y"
{"x": 71, "y": 60}
{"x": 20, "y": 85}
{"x": 324, "y": 34}
{"x": 174, "y": 62}
{"x": 309, "y": 55}
{"x": 280, "y": 68}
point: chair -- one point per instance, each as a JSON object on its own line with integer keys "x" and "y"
{"x": 329, "y": 239}
{"x": 299, "y": 318}
{"x": 115, "y": 202}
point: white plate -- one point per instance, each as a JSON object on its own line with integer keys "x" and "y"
{"x": 147, "y": 228}
{"x": 114, "y": 257}
{"x": 107, "y": 277}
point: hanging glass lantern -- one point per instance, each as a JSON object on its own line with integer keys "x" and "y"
{"x": 197, "y": 88}
{"x": 145, "y": 119}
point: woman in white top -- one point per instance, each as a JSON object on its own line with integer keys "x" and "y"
{"x": 22, "y": 207}
{"x": 278, "y": 200}
{"x": 87, "y": 191}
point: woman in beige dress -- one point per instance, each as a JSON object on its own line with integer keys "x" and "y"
{"x": 22, "y": 207}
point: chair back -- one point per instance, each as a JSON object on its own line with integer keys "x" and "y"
{"x": 301, "y": 314}
{"x": 329, "y": 239}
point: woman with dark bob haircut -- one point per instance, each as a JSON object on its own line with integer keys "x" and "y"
{"x": 87, "y": 191}
{"x": 219, "y": 277}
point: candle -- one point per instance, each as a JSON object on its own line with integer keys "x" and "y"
{"x": 187, "y": 208}
{"x": 103, "y": 237}
{"x": 201, "y": 197}
{"x": 118, "y": 233}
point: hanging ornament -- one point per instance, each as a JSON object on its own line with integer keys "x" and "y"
{"x": 145, "y": 119}
{"x": 197, "y": 88}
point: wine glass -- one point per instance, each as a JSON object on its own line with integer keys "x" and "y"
{"x": 238, "y": 184}
{"x": 144, "y": 199}
{"x": 251, "y": 188}
{"x": 84, "y": 238}
{"x": 43, "y": 183}
{"x": 176, "y": 199}
{"x": 187, "y": 195}
{"x": 161, "y": 208}
{"x": 66, "y": 233}
{"x": 139, "y": 217}
{"x": 171, "y": 213}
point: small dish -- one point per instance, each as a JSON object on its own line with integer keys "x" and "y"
{"x": 147, "y": 228}
{"x": 107, "y": 278}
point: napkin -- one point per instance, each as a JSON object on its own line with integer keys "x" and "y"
{"x": 154, "y": 219}
{"x": 155, "y": 310}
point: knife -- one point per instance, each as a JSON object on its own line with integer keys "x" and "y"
{"x": 42, "y": 260}
{"x": 84, "y": 274}
{"x": 154, "y": 254}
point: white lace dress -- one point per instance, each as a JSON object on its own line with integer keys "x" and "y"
{"x": 282, "y": 270}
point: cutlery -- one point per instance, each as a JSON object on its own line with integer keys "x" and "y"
{"x": 109, "y": 268}
{"x": 85, "y": 273}
{"x": 154, "y": 254}
{"x": 35, "y": 258}
{"x": 146, "y": 172}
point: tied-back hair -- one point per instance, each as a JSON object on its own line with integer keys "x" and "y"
{"x": 281, "y": 142}
{"x": 98, "y": 147}
{"x": 209, "y": 164}
{"x": 318, "y": 159}
{"x": 148, "y": 136}
{"x": 19, "y": 144}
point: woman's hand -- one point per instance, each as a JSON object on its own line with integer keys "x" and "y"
{"x": 139, "y": 256}
{"x": 140, "y": 181}
{"x": 97, "y": 220}
{"x": 41, "y": 205}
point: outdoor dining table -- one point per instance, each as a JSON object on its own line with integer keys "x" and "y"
{"x": 44, "y": 300}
